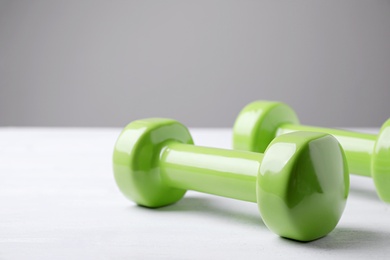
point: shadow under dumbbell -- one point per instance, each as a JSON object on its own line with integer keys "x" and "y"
{"x": 341, "y": 238}
{"x": 211, "y": 207}
{"x": 348, "y": 239}
{"x": 365, "y": 193}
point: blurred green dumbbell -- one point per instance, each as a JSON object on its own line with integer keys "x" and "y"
{"x": 367, "y": 154}
{"x": 300, "y": 183}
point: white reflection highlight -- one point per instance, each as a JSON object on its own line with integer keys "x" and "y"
{"x": 277, "y": 156}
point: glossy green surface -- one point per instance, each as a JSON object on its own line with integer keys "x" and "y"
{"x": 303, "y": 185}
{"x": 136, "y": 161}
{"x": 300, "y": 183}
{"x": 381, "y": 162}
{"x": 222, "y": 172}
{"x": 257, "y": 120}
{"x": 358, "y": 147}
{"x": 367, "y": 154}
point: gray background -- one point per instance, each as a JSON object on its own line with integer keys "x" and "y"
{"x": 105, "y": 63}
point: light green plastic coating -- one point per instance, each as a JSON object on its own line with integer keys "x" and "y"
{"x": 226, "y": 173}
{"x": 358, "y": 147}
{"x": 300, "y": 183}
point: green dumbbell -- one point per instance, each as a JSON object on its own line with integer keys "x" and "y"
{"x": 300, "y": 183}
{"x": 367, "y": 154}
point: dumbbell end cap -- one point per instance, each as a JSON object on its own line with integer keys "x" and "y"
{"x": 136, "y": 160}
{"x": 303, "y": 184}
{"x": 381, "y": 162}
{"x": 257, "y": 124}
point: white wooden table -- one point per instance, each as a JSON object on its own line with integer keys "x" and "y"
{"x": 58, "y": 200}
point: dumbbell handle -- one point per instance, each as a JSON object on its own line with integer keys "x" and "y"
{"x": 358, "y": 147}
{"x": 226, "y": 173}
